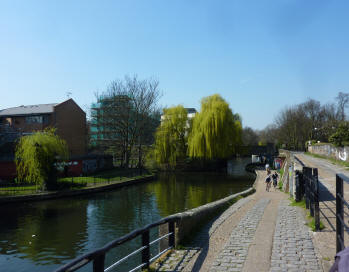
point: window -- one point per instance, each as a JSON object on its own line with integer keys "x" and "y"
{"x": 36, "y": 119}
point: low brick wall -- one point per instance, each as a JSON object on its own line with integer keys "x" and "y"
{"x": 328, "y": 150}
{"x": 192, "y": 220}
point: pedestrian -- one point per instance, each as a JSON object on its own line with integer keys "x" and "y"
{"x": 268, "y": 183}
{"x": 275, "y": 179}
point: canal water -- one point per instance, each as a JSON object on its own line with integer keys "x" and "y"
{"x": 41, "y": 236}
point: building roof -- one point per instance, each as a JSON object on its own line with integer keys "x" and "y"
{"x": 190, "y": 110}
{"x": 28, "y": 110}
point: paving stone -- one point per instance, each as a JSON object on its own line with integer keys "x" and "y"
{"x": 292, "y": 245}
{"x": 178, "y": 259}
{"x": 240, "y": 240}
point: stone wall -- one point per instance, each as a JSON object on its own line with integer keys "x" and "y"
{"x": 328, "y": 150}
{"x": 193, "y": 219}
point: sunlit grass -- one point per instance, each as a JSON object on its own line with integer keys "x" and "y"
{"x": 112, "y": 176}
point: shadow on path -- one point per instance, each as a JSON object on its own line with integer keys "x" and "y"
{"x": 327, "y": 205}
{"x": 201, "y": 240}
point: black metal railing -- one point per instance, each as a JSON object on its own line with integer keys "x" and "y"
{"x": 98, "y": 256}
{"x": 311, "y": 190}
{"x": 340, "y": 203}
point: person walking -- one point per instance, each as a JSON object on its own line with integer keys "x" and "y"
{"x": 268, "y": 183}
{"x": 275, "y": 180}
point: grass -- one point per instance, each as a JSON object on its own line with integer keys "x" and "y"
{"x": 75, "y": 183}
{"x": 280, "y": 185}
{"x": 298, "y": 204}
{"x": 311, "y": 219}
{"x": 334, "y": 161}
{"x": 18, "y": 190}
{"x": 311, "y": 224}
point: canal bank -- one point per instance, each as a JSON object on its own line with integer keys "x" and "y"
{"x": 78, "y": 192}
{"x": 43, "y": 235}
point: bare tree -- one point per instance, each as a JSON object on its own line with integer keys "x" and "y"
{"x": 342, "y": 102}
{"x": 249, "y": 136}
{"x": 268, "y": 135}
{"x": 308, "y": 121}
{"x": 125, "y": 113}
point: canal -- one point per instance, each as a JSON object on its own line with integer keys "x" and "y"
{"x": 41, "y": 236}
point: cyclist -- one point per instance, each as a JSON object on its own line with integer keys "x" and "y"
{"x": 275, "y": 179}
{"x": 268, "y": 183}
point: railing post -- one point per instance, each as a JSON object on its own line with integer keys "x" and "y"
{"x": 306, "y": 185}
{"x": 98, "y": 263}
{"x": 301, "y": 185}
{"x": 316, "y": 199}
{"x": 339, "y": 214}
{"x": 297, "y": 196}
{"x": 171, "y": 229}
{"x": 145, "y": 251}
{"x": 312, "y": 192}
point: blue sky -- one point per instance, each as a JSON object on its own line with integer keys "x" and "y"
{"x": 259, "y": 55}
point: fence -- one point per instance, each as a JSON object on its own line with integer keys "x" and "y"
{"x": 13, "y": 187}
{"x": 98, "y": 256}
{"x": 307, "y": 185}
{"x": 340, "y": 202}
{"x": 180, "y": 227}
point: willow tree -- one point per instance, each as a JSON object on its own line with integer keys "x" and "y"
{"x": 170, "y": 137}
{"x": 216, "y": 131}
{"x": 36, "y": 156}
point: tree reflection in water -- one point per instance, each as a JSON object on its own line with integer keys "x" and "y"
{"x": 40, "y": 236}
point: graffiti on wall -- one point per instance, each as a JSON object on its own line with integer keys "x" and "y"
{"x": 342, "y": 155}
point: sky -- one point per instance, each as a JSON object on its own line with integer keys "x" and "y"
{"x": 260, "y": 55}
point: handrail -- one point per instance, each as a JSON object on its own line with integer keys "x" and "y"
{"x": 125, "y": 258}
{"x": 98, "y": 256}
{"x": 88, "y": 257}
{"x": 311, "y": 186}
{"x": 343, "y": 177}
{"x": 299, "y": 160}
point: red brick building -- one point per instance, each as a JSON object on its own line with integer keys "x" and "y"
{"x": 67, "y": 117}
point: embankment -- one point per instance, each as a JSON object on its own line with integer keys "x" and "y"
{"x": 71, "y": 193}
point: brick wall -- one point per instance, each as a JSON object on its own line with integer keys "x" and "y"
{"x": 20, "y": 124}
{"x": 70, "y": 121}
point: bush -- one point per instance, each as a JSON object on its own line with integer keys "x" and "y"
{"x": 341, "y": 136}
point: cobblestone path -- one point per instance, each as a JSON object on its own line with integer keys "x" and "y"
{"x": 293, "y": 248}
{"x": 234, "y": 252}
{"x": 179, "y": 258}
{"x": 209, "y": 229}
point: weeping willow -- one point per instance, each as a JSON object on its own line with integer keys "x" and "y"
{"x": 36, "y": 154}
{"x": 216, "y": 130}
{"x": 170, "y": 137}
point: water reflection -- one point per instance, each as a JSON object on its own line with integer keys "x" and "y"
{"x": 188, "y": 190}
{"x": 39, "y": 236}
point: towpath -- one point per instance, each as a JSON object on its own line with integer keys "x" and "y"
{"x": 325, "y": 240}
{"x": 258, "y": 233}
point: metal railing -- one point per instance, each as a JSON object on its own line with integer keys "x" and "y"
{"x": 340, "y": 203}
{"x": 311, "y": 188}
{"x": 98, "y": 256}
